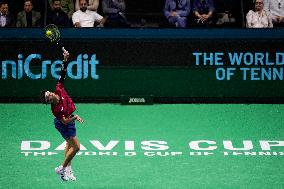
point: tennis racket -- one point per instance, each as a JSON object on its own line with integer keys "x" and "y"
{"x": 52, "y": 33}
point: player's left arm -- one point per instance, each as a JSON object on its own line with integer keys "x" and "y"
{"x": 71, "y": 118}
{"x": 64, "y": 67}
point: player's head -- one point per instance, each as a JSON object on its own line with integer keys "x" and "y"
{"x": 47, "y": 97}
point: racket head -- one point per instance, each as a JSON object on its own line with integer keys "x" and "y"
{"x": 52, "y": 33}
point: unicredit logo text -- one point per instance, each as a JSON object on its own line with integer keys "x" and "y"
{"x": 81, "y": 68}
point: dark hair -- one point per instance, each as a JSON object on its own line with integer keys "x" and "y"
{"x": 86, "y": 1}
{"x": 30, "y": 1}
{"x": 42, "y": 97}
{"x": 3, "y": 3}
{"x": 54, "y": 1}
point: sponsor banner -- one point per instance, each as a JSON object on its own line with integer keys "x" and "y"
{"x": 81, "y": 68}
{"x": 160, "y": 52}
{"x": 136, "y": 100}
{"x": 189, "y": 67}
{"x": 158, "y": 148}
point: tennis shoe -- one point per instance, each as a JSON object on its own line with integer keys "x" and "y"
{"x": 70, "y": 173}
{"x": 62, "y": 173}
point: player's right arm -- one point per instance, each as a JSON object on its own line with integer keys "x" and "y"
{"x": 64, "y": 67}
{"x": 66, "y": 121}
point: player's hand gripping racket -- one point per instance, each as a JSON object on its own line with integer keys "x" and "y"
{"x": 52, "y": 33}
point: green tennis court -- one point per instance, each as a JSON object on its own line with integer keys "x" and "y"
{"x": 156, "y": 146}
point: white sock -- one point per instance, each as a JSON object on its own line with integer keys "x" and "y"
{"x": 68, "y": 167}
{"x": 64, "y": 168}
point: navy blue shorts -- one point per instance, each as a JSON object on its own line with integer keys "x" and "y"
{"x": 66, "y": 131}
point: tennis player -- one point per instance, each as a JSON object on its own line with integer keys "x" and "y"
{"x": 62, "y": 108}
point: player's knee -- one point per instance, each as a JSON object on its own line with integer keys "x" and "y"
{"x": 77, "y": 148}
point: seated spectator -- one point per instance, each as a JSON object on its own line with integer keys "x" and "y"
{"x": 43, "y": 7}
{"x": 225, "y": 18}
{"x": 203, "y": 12}
{"x": 6, "y": 19}
{"x": 176, "y": 11}
{"x": 28, "y": 17}
{"x": 259, "y": 18}
{"x": 93, "y": 5}
{"x": 67, "y": 7}
{"x": 114, "y": 10}
{"x": 228, "y": 13}
{"x": 57, "y": 16}
{"x": 86, "y": 18}
{"x": 276, "y": 8}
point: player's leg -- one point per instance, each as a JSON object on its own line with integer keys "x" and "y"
{"x": 69, "y": 171}
{"x": 66, "y": 150}
{"x": 74, "y": 148}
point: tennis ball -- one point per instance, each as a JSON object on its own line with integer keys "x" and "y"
{"x": 48, "y": 33}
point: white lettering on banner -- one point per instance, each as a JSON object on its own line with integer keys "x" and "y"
{"x": 26, "y": 145}
{"x": 154, "y": 145}
{"x": 158, "y": 148}
{"x": 130, "y": 153}
{"x": 136, "y": 100}
{"x": 195, "y": 153}
{"x": 253, "y": 153}
{"x": 149, "y": 153}
{"x": 108, "y": 153}
{"x": 26, "y": 153}
{"x": 200, "y": 153}
{"x": 265, "y": 145}
{"x": 195, "y": 145}
{"x": 90, "y": 153}
{"x": 162, "y": 154}
{"x": 39, "y": 153}
{"x": 108, "y": 147}
{"x": 229, "y": 146}
{"x": 104, "y": 153}
{"x": 129, "y": 145}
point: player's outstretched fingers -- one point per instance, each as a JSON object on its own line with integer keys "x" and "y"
{"x": 80, "y": 119}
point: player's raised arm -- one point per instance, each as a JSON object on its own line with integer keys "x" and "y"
{"x": 64, "y": 66}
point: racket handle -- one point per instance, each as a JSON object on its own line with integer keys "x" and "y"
{"x": 63, "y": 49}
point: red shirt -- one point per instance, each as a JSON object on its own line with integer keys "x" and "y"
{"x": 65, "y": 107}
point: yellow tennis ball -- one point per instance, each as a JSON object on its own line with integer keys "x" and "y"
{"x": 48, "y": 33}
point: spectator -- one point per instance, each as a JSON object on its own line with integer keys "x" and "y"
{"x": 259, "y": 18}
{"x": 115, "y": 13}
{"x": 228, "y": 13}
{"x": 176, "y": 11}
{"x": 67, "y": 7}
{"x": 6, "y": 19}
{"x": 203, "y": 12}
{"x": 28, "y": 17}
{"x": 43, "y": 7}
{"x": 276, "y": 8}
{"x": 93, "y": 5}
{"x": 57, "y": 16}
{"x": 86, "y": 18}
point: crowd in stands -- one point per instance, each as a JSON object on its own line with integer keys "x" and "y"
{"x": 166, "y": 13}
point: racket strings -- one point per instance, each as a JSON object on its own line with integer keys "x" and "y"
{"x": 52, "y": 33}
